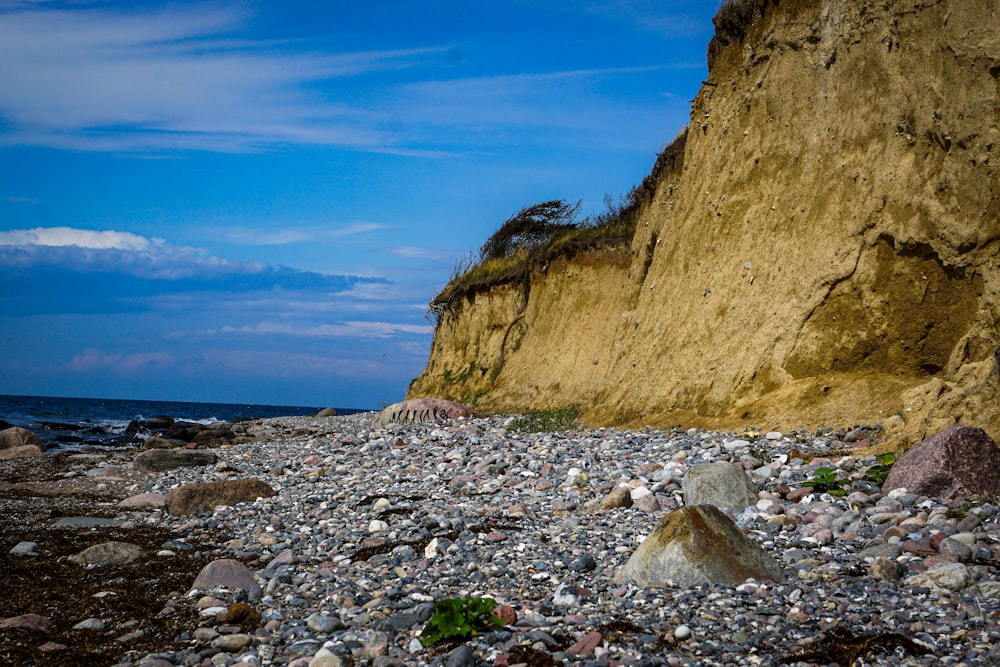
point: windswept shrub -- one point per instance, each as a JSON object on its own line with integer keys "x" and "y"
{"x": 529, "y": 228}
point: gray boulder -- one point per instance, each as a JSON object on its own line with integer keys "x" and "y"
{"x": 422, "y": 410}
{"x": 698, "y": 545}
{"x": 958, "y": 462}
{"x": 158, "y": 460}
{"x": 228, "y": 573}
{"x": 721, "y": 484}
{"x": 109, "y": 553}
{"x": 326, "y": 412}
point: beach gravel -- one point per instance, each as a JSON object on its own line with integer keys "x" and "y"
{"x": 369, "y": 527}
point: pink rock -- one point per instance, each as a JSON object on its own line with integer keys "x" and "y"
{"x": 587, "y": 644}
{"x": 795, "y": 495}
{"x": 937, "y": 537}
{"x": 506, "y": 613}
{"x": 49, "y": 647}
{"x": 918, "y": 547}
{"x": 26, "y": 622}
{"x": 421, "y": 410}
{"x": 951, "y": 465}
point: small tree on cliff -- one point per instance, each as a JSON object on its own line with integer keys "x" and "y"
{"x": 531, "y": 227}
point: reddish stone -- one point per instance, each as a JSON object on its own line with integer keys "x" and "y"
{"x": 26, "y": 622}
{"x": 918, "y": 547}
{"x": 937, "y": 538}
{"x": 957, "y": 462}
{"x": 506, "y": 613}
{"x": 48, "y": 647}
{"x": 795, "y": 495}
{"x": 587, "y": 644}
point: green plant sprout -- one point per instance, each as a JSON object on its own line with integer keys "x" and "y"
{"x": 825, "y": 480}
{"x": 457, "y": 618}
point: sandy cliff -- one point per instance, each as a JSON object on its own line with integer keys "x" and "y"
{"x": 827, "y": 254}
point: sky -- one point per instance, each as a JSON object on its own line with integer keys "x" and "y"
{"x": 254, "y": 202}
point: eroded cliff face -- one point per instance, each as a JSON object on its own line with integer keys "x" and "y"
{"x": 826, "y": 257}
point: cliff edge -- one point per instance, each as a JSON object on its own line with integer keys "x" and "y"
{"x": 825, "y": 254}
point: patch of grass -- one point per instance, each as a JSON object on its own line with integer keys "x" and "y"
{"x": 825, "y": 480}
{"x": 546, "y": 421}
{"x": 459, "y": 618}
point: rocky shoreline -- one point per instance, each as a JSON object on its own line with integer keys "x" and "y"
{"x": 368, "y": 527}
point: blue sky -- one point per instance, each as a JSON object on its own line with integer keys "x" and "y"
{"x": 255, "y": 201}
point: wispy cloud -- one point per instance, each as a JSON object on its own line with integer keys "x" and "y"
{"x": 654, "y": 15}
{"x": 575, "y": 106}
{"x": 415, "y": 252}
{"x": 176, "y": 78}
{"x": 356, "y": 329}
{"x": 287, "y": 236}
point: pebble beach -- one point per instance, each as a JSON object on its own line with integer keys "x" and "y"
{"x": 370, "y": 526}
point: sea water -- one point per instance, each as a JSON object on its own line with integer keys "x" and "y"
{"x": 72, "y": 423}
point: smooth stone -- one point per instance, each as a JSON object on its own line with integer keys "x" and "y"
{"x": 721, "y": 484}
{"x": 24, "y": 549}
{"x": 946, "y": 576}
{"x": 143, "y": 501}
{"x": 90, "y": 624}
{"x": 462, "y": 656}
{"x": 109, "y": 553}
{"x": 324, "y": 623}
{"x": 227, "y": 573}
{"x": 620, "y": 497}
{"x": 232, "y": 643}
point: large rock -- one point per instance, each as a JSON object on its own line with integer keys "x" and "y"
{"x": 722, "y": 484}
{"x": 15, "y": 436}
{"x": 22, "y": 452}
{"x": 109, "y": 553}
{"x": 158, "y": 460}
{"x": 227, "y": 573}
{"x": 193, "y": 498}
{"x": 422, "y": 410}
{"x": 698, "y": 545}
{"x": 957, "y": 462}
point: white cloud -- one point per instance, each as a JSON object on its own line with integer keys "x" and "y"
{"x": 80, "y": 238}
